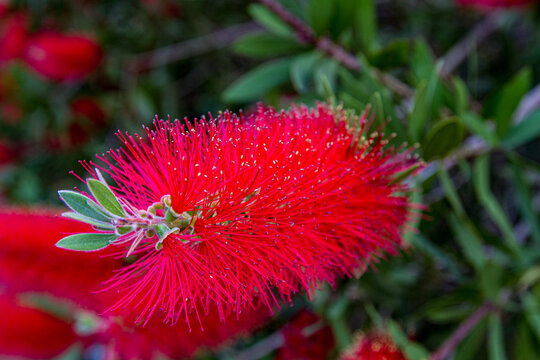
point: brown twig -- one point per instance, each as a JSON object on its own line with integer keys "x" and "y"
{"x": 488, "y": 307}
{"x": 189, "y": 48}
{"x": 325, "y": 45}
{"x": 459, "y": 52}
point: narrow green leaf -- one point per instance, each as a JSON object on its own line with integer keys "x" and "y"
{"x": 269, "y": 20}
{"x": 469, "y": 347}
{"x": 87, "y": 220}
{"x": 255, "y": 83}
{"x": 509, "y": 99}
{"x": 81, "y": 204}
{"x": 320, "y": 14}
{"x": 477, "y": 126}
{"x": 265, "y": 44}
{"x": 523, "y": 132}
{"x": 365, "y": 24}
{"x": 302, "y": 71}
{"x": 377, "y": 108}
{"x": 338, "y": 322}
{"x": 442, "y": 138}
{"x": 461, "y": 95}
{"x": 413, "y": 351}
{"x": 86, "y": 242}
{"x": 488, "y": 200}
{"x": 450, "y": 191}
{"x": 495, "y": 338}
{"x": 420, "y": 111}
{"x": 105, "y": 197}
{"x": 395, "y": 54}
{"x": 325, "y": 76}
{"x": 524, "y": 201}
{"x": 532, "y": 312}
{"x": 469, "y": 241}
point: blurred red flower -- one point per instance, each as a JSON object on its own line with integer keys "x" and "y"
{"x": 373, "y": 347}
{"x": 306, "y": 338}
{"x": 89, "y": 109}
{"x": 12, "y": 37}
{"x": 31, "y": 333}
{"x": 62, "y": 57}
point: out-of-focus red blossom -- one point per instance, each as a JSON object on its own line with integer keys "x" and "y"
{"x": 13, "y": 37}
{"x": 7, "y": 152}
{"x": 4, "y": 7}
{"x": 128, "y": 341}
{"x": 282, "y": 202}
{"x": 62, "y": 57}
{"x": 29, "y": 261}
{"x": 373, "y": 347}
{"x": 305, "y": 338}
{"x": 89, "y": 109}
{"x": 496, "y": 3}
{"x": 31, "y": 333}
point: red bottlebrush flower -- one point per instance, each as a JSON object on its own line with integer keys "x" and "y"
{"x": 30, "y": 262}
{"x": 12, "y": 37}
{"x": 31, "y": 333}
{"x": 246, "y": 208}
{"x": 62, "y": 57}
{"x": 89, "y": 109}
{"x": 305, "y": 338}
{"x": 373, "y": 347}
{"x": 496, "y": 3}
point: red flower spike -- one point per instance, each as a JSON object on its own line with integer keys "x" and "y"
{"x": 89, "y": 109}
{"x": 306, "y": 338}
{"x": 259, "y": 208}
{"x": 24, "y": 331}
{"x": 373, "y": 347}
{"x": 62, "y": 57}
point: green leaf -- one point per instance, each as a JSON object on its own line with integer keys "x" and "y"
{"x": 365, "y": 24}
{"x": 469, "y": 347}
{"x": 269, "y": 20}
{"x": 444, "y": 137}
{"x": 523, "y": 132}
{"x": 532, "y": 313}
{"x": 420, "y": 112}
{"x": 338, "y": 322}
{"x": 450, "y": 191}
{"x": 393, "y": 55}
{"x": 264, "y": 44}
{"x": 87, "y": 220}
{"x": 495, "y": 338}
{"x": 302, "y": 71}
{"x": 461, "y": 95}
{"x": 423, "y": 61}
{"x": 377, "y": 108}
{"x": 325, "y": 76}
{"x": 509, "y": 99}
{"x": 254, "y": 84}
{"x": 342, "y": 16}
{"x": 490, "y": 203}
{"x": 320, "y": 14}
{"x": 86, "y": 242}
{"x": 469, "y": 241}
{"x": 477, "y": 126}
{"x": 105, "y": 197}
{"x": 81, "y": 204}
{"x": 413, "y": 351}
{"x": 524, "y": 201}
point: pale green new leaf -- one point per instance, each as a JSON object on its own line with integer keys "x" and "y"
{"x": 86, "y": 242}
{"x": 105, "y": 197}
